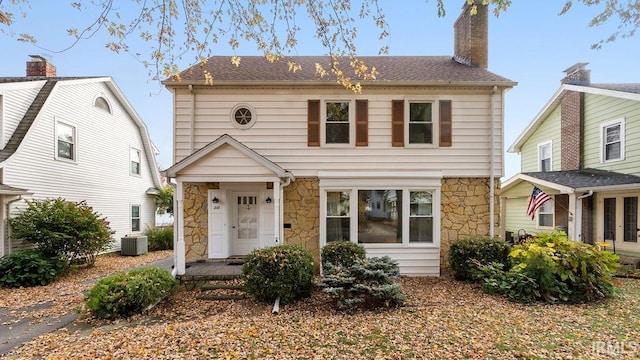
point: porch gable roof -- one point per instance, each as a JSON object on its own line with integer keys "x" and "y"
{"x": 570, "y": 181}
{"x": 226, "y": 139}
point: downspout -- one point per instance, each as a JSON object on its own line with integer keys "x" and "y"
{"x": 589, "y": 193}
{"x": 280, "y": 231}
{"x": 192, "y": 131}
{"x": 492, "y": 115}
{"x": 8, "y": 210}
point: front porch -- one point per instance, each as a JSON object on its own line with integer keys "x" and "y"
{"x": 211, "y": 270}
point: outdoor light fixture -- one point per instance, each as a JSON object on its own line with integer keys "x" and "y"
{"x": 215, "y": 200}
{"x": 268, "y": 200}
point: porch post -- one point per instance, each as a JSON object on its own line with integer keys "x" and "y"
{"x": 277, "y": 188}
{"x": 572, "y": 231}
{"x": 180, "y": 257}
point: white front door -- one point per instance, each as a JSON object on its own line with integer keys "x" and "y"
{"x": 245, "y": 227}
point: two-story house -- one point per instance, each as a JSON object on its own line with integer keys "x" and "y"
{"x": 77, "y": 138}
{"x": 267, "y": 156}
{"x": 582, "y": 150}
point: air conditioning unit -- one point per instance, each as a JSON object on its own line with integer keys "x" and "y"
{"x": 134, "y": 245}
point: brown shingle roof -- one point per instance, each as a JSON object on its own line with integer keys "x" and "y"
{"x": 437, "y": 70}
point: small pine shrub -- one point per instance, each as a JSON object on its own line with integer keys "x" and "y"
{"x": 468, "y": 255}
{"x": 59, "y": 228}
{"x": 341, "y": 254}
{"x": 280, "y": 271}
{"x": 128, "y": 293}
{"x": 29, "y": 268}
{"x": 553, "y": 269}
{"x": 160, "y": 238}
{"x": 367, "y": 283}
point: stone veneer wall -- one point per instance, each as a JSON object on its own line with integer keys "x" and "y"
{"x": 465, "y": 211}
{"x": 302, "y": 211}
{"x": 196, "y": 220}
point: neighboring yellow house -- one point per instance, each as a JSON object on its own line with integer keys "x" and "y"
{"x": 583, "y": 149}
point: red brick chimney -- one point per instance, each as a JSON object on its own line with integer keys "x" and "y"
{"x": 471, "y": 35}
{"x": 39, "y": 66}
{"x": 571, "y": 117}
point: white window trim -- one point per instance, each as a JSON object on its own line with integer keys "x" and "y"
{"x": 254, "y": 116}
{"x": 553, "y": 216}
{"x": 139, "y": 218}
{"x": 351, "y": 182}
{"x": 55, "y": 141}
{"x": 435, "y": 121}
{"x": 106, "y": 99}
{"x": 605, "y": 125}
{"x": 132, "y": 148}
{"x": 540, "y": 146}
{"x": 323, "y": 122}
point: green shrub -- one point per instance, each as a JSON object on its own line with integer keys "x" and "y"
{"x": 128, "y": 293}
{"x": 29, "y": 268}
{"x": 58, "y": 228}
{"x": 467, "y": 255}
{"x": 561, "y": 270}
{"x": 341, "y": 253}
{"x": 367, "y": 283}
{"x": 160, "y": 238}
{"x": 514, "y": 284}
{"x": 280, "y": 271}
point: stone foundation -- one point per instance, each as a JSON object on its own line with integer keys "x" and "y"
{"x": 465, "y": 211}
{"x": 302, "y": 211}
{"x": 196, "y": 220}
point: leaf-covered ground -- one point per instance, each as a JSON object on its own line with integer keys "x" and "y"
{"x": 443, "y": 319}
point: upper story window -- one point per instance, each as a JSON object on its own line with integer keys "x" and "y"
{"x": 102, "y": 103}
{"x": 243, "y": 116}
{"x": 612, "y": 140}
{"x": 337, "y": 122}
{"x": 134, "y": 158}
{"x": 420, "y": 128}
{"x": 65, "y": 141}
{"x": 544, "y": 157}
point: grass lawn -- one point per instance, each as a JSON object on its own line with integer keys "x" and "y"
{"x": 442, "y": 319}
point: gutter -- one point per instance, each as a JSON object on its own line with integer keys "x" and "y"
{"x": 589, "y": 193}
{"x": 315, "y": 83}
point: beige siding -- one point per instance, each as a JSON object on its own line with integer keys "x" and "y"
{"x": 226, "y": 160}
{"x": 412, "y": 261}
{"x": 280, "y": 132}
{"x": 603, "y": 109}
{"x": 101, "y": 173}
{"x": 549, "y": 130}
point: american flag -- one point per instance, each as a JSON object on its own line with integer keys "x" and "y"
{"x": 538, "y": 197}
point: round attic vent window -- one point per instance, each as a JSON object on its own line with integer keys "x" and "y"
{"x": 243, "y": 116}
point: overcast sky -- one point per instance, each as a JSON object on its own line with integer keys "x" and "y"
{"x": 527, "y": 44}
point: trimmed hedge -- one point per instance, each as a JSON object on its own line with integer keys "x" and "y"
{"x": 468, "y": 255}
{"x": 280, "y": 271}
{"x": 30, "y": 268}
{"x": 128, "y": 293}
{"x": 341, "y": 253}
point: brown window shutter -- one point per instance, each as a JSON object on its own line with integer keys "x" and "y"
{"x": 397, "y": 123}
{"x": 445, "y": 123}
{"x": 313, "y": 123}
{"x": 362, "y": 122}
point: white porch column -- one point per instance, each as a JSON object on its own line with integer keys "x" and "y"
{"x": 277, "y": 230}
{"x": 180, "y": 255}
{"x": 572, "y": 229}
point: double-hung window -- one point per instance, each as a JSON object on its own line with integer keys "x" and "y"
{"x": 134, "y": 161}
{"x": 337, "y": 122}
{"x": 420, "y": 128}
{"x": 544, "y": 157}
{"x": 65, "y": 141}
{"x": 338, "y": 216}
{"x": 612, "y": 140}
{"x": 545, "y": 214}
{"x": 135, "y": 218}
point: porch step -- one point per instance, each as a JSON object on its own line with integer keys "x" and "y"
{"x": 222, "y": 290}
{"x": 629, "y": 262}
{"x": 210, "y": 286}
{"x": 220, "y": 297}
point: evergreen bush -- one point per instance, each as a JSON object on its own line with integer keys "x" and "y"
{"x": 341, "y": 254}
{"x": 367, "y": 283}
{"x": 160, "y": 238}
{"x": 29, "y": 268}
{"x": 280, "y": 271}
{"x": 128, "y": 293}
{"x": 68, "y": 230}
{"x": 466, "y": 256}
{"x": 553, "y": 269}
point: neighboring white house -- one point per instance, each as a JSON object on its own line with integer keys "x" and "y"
{"x": 77, "y": 138}
{"x": 267, "y": 156}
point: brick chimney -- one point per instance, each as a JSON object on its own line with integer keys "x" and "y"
{"x": 471, "y": 36}
{"x": 39, "y": 66}
{"x": 571, "y": 117}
